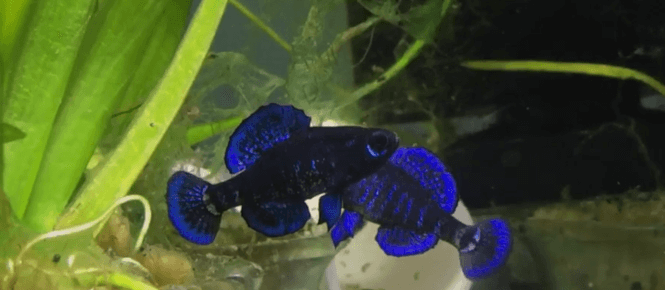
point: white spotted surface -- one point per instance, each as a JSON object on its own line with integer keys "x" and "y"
{"x": 438, "y": 268}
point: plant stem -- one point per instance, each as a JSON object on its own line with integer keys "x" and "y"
{"x": 330, "y": 55}
{"x": 567, "y": 67}
{"x": 146, "y": 131}
{"x": 261, "y": 25}
{"x": 401, "y": 63}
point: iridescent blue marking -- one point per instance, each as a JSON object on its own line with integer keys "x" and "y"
{"x": 371, "y": 202}
{"x": 389, "y": 196}
{"x": 297, "y": 168}
{"x": 409, "y": 205}
{"x": 400, "y": 242}
{"x": 401, "y": 201}
{"x": 421, "y": 216}
{"x": 363, "y": 197}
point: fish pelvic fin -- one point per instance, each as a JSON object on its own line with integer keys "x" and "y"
{"x": 484, "y": 248}
{"x": 191, "y": 210}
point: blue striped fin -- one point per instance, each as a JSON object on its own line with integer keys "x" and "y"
{"x": 269, "y": 125}
{"x": 400, "y": 242}
{"x": 425, "y": 167}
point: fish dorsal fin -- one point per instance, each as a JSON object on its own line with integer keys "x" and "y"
{"x": 426, "y": 168}
{"x": 400, "y": 242}
{"x": 269, "y": 125}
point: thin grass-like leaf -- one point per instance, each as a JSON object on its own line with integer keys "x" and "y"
{"x": 36, "y": 88}
{"x": 567, "y": 67}
{"x": 113, "y": 49}
{"x": 146, "y": 131}
{"x": 200, "y": 132}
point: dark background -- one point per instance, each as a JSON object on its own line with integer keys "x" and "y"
{"x": 557, "y": 135}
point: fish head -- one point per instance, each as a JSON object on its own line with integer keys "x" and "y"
{"x": 366, "y": 151}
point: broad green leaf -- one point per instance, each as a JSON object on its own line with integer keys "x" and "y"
{"x": 125, "y": 163}
{"x": 36, "y": 88}
{"x": 11, "y": 133}
{"x": 112, "y": 50}
{"x": 12, "y": 18}
{"x": 158, "y": 54}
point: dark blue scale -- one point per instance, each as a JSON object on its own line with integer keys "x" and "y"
{"x": 412, "y": 198}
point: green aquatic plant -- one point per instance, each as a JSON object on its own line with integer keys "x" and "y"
{"x": 22, "y": 263}
{"x": 595, "y": 69}
{"x": 71, "y": 64}
{"x": 89, "y": 89}
{"x": 148, "y": 127}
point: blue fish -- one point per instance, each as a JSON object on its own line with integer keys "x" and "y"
{"x": 412, "y": 198}
{"x": 280, "y": 162}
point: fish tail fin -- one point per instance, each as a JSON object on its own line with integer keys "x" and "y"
{"x": 190, "y": 209}
{"x": 486, "y": 249}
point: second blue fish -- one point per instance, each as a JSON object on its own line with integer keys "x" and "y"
{"x": 413, "y": 198}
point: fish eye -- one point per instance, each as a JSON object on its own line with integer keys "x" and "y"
{"x": 377, "y": 144}
{"x": 470, "y": 247}
{"x": 476, "y": 236}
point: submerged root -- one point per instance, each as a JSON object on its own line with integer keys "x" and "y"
{"x": 90, "y": 276}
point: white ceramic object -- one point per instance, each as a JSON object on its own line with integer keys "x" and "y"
{"x": 364, "y": 264}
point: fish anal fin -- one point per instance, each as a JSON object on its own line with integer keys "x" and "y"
{"x": 400, "y": 242}
{"x": 275, "y": 219}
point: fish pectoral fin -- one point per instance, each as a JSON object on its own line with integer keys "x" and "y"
{"x": 276, "y": 219}
{"x": 262, "y": 130}
{"x": 346, "y": 226}
{"x": 330, "y": 208}
{"x": 402, "y": 242}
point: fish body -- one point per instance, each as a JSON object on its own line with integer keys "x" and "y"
{"x": 280, "y": 162}
{"x": 412, "y": 198}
